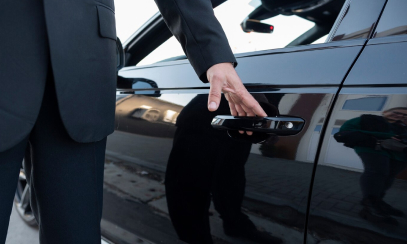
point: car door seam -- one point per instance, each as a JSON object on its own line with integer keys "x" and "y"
{"x": 321, "y": 141}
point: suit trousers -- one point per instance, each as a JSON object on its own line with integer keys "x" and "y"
{"x": 65, "y": 178}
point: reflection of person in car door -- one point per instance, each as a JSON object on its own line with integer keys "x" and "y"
{"x": 206, "y": 163}
{"x": 377, "y": 141}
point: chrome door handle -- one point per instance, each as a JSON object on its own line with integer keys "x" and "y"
{"x": 282, "y": 126}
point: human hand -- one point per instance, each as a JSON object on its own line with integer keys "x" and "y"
{"x": 223, "y": 78}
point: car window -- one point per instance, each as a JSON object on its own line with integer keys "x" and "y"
{"x": 394, "y": 19}
{"x": 230, "y": 14}
{"x": 321, "y": 40}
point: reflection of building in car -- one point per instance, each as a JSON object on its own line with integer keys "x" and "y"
{"x": 349, "y": 107}
{"x": 152, "y": 115}
{"x": 374, "y": 140}
{"x": 149, "y": 114}
{"x": 146, "y": 115}
{"x": 170, "y": 116}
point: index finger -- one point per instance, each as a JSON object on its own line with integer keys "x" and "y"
{"x": 251, "y": 103}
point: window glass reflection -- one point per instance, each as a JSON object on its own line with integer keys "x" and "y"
{"x": 394, "y": 19}
{"x": 365, "y": 104}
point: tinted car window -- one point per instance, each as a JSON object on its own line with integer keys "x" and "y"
{"x": 394, "y": 19}
{"x": 288, "y": 28}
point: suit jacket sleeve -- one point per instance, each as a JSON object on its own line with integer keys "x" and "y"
{"x": 195, "y": 26}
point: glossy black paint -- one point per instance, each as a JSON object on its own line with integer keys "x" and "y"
{"x": 393, "y": 21}
{"x": 277, "y": 173}
{"x": 342, "y": 180}
{"x": 298, "y": 65}
{"x": 164, "y": 138}
{"x": 359, "y": 194}
{"x": 380, "y": 64}
{"x": 359, "y": 20}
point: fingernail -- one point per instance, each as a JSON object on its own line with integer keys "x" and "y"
{"x": 212, "y": 105}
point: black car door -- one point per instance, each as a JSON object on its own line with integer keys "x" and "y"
{"x": 359, "y": 194}
{"x": 166, "y": 160}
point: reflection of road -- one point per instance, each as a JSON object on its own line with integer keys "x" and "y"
{"x": 137, "y": 221}
{"x": 341, "y": 201}
{"x": 143, "y": 212}
{"x": 152, "y": 150}
{"x": 264, "y": 175}
{"x": 273, "y": 181}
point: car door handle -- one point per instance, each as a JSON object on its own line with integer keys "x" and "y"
{"x": 280, "y": 125}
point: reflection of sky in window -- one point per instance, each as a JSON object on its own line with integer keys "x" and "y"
{"x": 365, "y": 104}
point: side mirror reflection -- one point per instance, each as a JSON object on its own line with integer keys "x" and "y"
{"x": 142, "y": 85}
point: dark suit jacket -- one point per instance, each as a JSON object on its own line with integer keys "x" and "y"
{"x": 77, "y": 37}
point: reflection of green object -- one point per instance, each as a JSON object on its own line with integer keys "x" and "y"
{"x": 355, "y": 125}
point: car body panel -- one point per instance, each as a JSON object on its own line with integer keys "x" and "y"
{"x": 376, "y": 85}
{"x": 337, "y": 191}
{"x": 393, "y": 21}
{"x": 279, "y": 67}
{"x": 277, "y": 173}
{"x": 358, "y": 20}
{"x": 376, "y": 58}
{"x": 162, "y": 119}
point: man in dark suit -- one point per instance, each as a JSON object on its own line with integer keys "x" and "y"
{"x": 57, "y": 95}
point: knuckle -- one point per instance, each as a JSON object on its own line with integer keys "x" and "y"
{"x": 241, "y": 93}
{"x": 216, "y": 77}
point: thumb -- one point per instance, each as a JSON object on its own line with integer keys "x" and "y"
{"x": 215, "y": 94}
